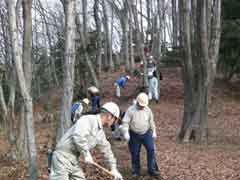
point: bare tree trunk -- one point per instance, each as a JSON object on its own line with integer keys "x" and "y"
{"x": 125, "y": 32}
{"x": 52, "y": 63}
{"x": 214, "y": 43}
{"x": 198, "y": 75}
{"x": 164, "y": 36}
{"x": 69, "y": 62}
{"x": 12, "y": 96}
{"x": 131, "y": 51}
{"x": 141, "y": 20}
{"x": 25, "y": 78}
{"x": 107, "y": 53}
{"x": 160, "y": 30}
{"x": 140, "y": 44}
{"x": 4, "y": 109}
{"x": 180, "y": 10}
{"x": 99, "y": 36}
{"x": 11, "y": 103}
{"x": 155, "y": 41}
{"x": 27, "y": 65}
{"x": 22, "y": 137}
{"x": 110, "y": 43}
{"x": 148, "y": 34}
{"x": 89, "y": 62}
{"x": 84, "y": 11}
{"x": 174, "y": 22}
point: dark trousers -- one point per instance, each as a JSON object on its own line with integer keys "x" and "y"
{"x": 135, "y": 143}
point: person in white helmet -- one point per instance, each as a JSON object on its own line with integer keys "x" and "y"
{"x": 84, "y": 135}
{"x": 139, "y": 129}
{"x": 120, "y": 83}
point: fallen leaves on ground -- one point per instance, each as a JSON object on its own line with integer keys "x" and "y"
{"x": 219, "y": 160}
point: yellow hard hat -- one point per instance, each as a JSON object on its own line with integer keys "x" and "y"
{"x": 86, "y": 101}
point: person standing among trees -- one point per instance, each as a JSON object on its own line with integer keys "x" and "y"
{"x": 95, "y": 99}
{"x": 83, "y": 136}
{"x": 139, "y": 129}
{"x": 153, "y": 90}
{"x": 120, "y": 83}
{"x": 151, "y": 66}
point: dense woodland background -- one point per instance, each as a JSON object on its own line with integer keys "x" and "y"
{"x": 51, "y": 51}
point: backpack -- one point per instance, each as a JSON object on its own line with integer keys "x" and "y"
{"x": 74, "y": 108}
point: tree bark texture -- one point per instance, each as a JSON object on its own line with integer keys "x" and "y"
{"x": 69, "y": 62}
{"x": 88, "y": 61}
{"x": 99, "y": 36}
{"x": 174, "y": 22}
{"x": 107, "y": 43}
{"x": 140, "y": 45}
{"x": 24, "y": 78}
{"x": 125, "y": 32}
{"x": 131, "y": 50}
{"x": 198, "y": 69}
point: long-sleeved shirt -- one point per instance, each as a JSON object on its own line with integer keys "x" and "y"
{"x": 151, "y": 67}
{"x": 121, "y": 82}
{"x": 84, "y": 135}
{"x": 95, "y": 100}
{"x": 76, "y": 111}
{"x": 139, "y": 121}
{"x": 153, "y": 84}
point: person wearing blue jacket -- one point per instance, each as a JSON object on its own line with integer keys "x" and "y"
{"x": 120, "y": 83}
{"x": 95, "y": 99}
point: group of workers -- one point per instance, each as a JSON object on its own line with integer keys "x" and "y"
{"x": 153, "y": 82}
{"x": 137, "y": 127}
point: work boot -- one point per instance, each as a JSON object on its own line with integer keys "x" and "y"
{"x": 154, "y": 174}
{"x": 135, "y": 175}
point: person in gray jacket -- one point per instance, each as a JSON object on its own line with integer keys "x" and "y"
{"x": 84, "y": 135}
{"x": 139, "y": 129}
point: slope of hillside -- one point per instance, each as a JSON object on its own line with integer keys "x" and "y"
{"x": 219, "y": 160}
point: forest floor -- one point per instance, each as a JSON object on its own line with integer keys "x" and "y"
{"x": 217, "y": 160}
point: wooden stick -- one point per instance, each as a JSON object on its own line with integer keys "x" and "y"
{"x": 103, "y": 169}
{"x": 100, "y": 167}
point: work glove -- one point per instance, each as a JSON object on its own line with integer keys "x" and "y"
{"x": 88, "y": 158}
{"x": 116, "y": 174}
{"x": 126, "y": 136}
{"x": 154, "y": 135}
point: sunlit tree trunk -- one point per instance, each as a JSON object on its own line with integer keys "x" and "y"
{"x": 25, "y": 75}
{"x": 99, "y": 35}
{"x": 131, "y": 50}
{"x": 174, "y": 22}
{"x": 69, "y": 62}
{"x": 108, "y": 58}
{"x": 125, "y": 32}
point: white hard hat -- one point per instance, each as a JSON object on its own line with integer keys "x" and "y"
{"x": 128, "y": 77}
{"x": 86, "y": 101}
{"x": 112, "y": 108}
{"x": 142, "y": 99}
{"x": 93, "y": 89}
